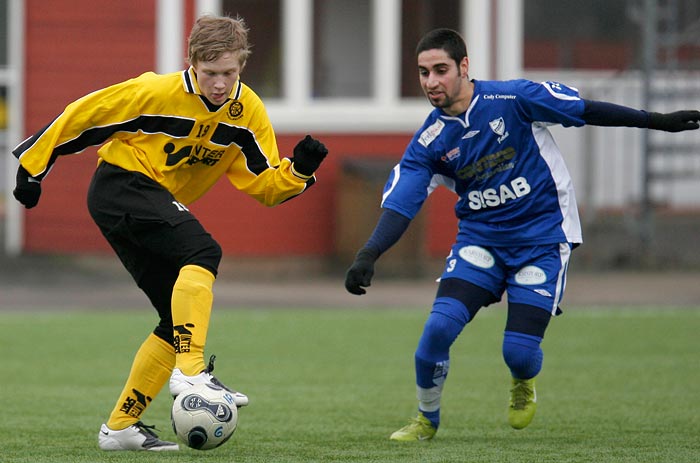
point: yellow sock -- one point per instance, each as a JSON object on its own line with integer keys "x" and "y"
{"x": 151, "y": 368}
{"x": 191, "y": 306}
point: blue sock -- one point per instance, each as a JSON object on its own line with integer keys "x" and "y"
{"x": 522, "y": 354}
{"x": 433, "y": 417}
{"x": 433, "y": 352}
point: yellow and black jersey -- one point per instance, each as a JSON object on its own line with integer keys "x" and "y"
{"x": 161, "y": 126}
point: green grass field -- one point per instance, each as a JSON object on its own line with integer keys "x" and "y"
{"x": 618, "y": 385}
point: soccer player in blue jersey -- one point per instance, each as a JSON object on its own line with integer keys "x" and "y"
{"x": 518, "y": 221}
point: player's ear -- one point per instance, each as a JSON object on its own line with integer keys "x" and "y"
{"x": 464, "y": 67}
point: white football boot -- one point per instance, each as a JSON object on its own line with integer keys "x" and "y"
{"x": 138, "y": 436}
{"x": 180, "y": 382}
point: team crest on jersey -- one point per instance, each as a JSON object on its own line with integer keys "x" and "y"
{"x": 235, "y": 110}
{"x": 499, "y": 128}
{"x": 431, "y": 133}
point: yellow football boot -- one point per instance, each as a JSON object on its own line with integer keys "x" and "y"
{"x": 523, "y": 403}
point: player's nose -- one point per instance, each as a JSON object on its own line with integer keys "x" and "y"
{"x": 432, "y": 81}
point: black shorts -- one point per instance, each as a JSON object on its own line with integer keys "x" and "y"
{"x": 151, "y": 232}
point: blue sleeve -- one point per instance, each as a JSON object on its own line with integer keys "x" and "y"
{"x": 551, "y": 102}
{"x": 407, "y": 186}
{"x": 390, "y": 227}
{"x": 612, "y": 115}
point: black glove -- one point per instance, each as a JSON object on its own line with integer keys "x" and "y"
{"x": 674, "y": 122}
{"x": 308, "y": 155}
{"x": 28, "y": 189}
{"x": 361, "y": 271}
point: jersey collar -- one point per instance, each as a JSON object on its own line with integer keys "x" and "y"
{"x": 189, "y": 82}
{"x": 464, "y": 117}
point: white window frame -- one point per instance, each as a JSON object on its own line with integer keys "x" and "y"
{"x": 13, "y": 78}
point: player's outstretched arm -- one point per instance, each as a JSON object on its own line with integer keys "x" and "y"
{"x": 28, "y": 189}
{"x": 613, "y": 115}
{"x": 677, "y": 121}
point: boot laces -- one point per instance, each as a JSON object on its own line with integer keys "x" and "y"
{"x": 521, "y": 394}
{"x": 146, "y": 429}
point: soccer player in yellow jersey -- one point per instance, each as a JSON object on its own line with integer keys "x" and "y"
{"x": 165, "y": 140}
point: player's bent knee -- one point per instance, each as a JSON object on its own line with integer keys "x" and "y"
{"x": 207, "y": 256}
{"x": 195, "y": 246}
{"x": 165, "y": 332}
{"x": 522, "y": 354}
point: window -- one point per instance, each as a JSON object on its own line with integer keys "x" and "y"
{"x": 263, "y": 71}
{"x": 342, "y": 54}
{"x": 419, "y": 17}
{"x": 578, "y": 35}
{"x": 342, "y": 49}
{"x": 3, "y": 33}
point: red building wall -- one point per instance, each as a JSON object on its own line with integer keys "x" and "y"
{"x": 72, "y": 48}
{"x": 78, "y": 46}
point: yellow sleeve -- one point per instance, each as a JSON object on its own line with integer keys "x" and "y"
{"x": 263, "y": 175}
{"x": 88, "y": 121}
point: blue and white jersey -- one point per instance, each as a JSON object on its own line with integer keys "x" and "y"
{"x": 513, "y": 185}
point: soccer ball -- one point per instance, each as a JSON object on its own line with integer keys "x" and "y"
{"x": 204, "y": 416}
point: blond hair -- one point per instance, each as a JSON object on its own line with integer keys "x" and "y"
{"x": 212, "y": 36}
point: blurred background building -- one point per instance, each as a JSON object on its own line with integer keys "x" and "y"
{"x": 344, "y": 70}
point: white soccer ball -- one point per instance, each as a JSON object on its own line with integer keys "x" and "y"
{"x": 204, "y": 416}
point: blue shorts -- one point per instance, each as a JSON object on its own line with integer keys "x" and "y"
{"x": 532, "y": 275}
